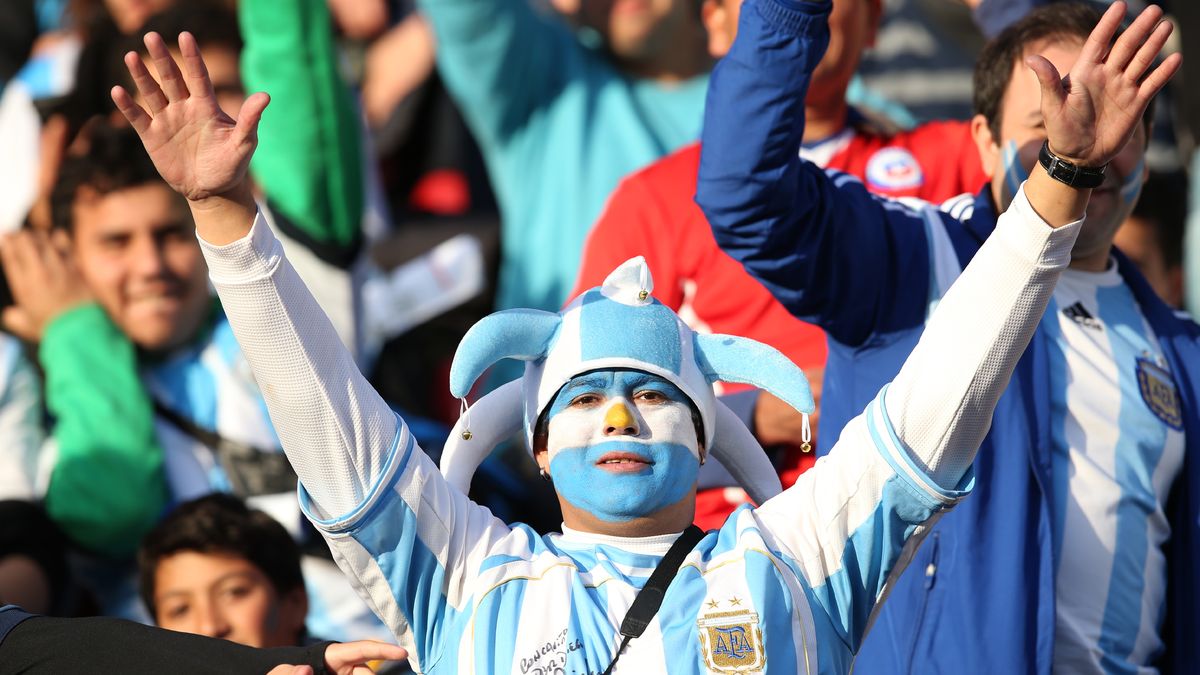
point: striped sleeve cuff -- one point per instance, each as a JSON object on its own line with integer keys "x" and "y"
{"x": 899, "y": 458}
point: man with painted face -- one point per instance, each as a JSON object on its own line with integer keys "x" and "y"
{"x": 1086, "y": 517}
{"x": 617, "y": 404}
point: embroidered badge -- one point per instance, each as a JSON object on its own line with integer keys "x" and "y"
{"x": 732, "y": 642}
{"x": 1158, "y": 391}
{"x": 894, "y": 169}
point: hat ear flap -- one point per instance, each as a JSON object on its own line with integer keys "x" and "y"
{"x": 739, "y": 452}
{"x": 524, "y": 334}
{"x": 493, "y": 419}
{"x": 727, "y": 358}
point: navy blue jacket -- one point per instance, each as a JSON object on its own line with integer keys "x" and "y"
{"x": 979, "y": 596}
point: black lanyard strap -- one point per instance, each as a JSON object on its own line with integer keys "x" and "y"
{"x": 649, "y": 599}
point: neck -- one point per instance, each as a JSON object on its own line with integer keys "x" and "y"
{"x": 681, "y": 60}
{"x": 1096, "y": 262}
{"x": 672, "y": 519}
{"x": 824, "y": 116}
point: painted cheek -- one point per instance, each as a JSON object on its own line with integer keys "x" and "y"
{"x": 622, "y": 497}
{"x": 1131, "y": 187}
{"x": 1014, "y": 171}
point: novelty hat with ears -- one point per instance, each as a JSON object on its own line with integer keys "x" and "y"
{"x": 617, "y": 325}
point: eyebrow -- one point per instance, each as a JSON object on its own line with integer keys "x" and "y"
{"x": 591, "y": 380}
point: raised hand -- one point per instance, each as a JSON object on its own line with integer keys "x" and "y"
{"x": 1092, "y": 112}
{"x": 43, "y": 280}
{"x": 200, "y": 151}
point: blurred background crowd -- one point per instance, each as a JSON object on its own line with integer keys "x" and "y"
{"x": 424, "y": 164}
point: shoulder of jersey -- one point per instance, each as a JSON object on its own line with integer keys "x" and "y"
{"x": 960, "y": 207}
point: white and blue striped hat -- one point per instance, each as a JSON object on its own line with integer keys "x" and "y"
{"x": 616, "y": 325}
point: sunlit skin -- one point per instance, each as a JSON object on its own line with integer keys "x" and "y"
{"x": 656, "y": 39}
{"x": 853, "y": 26}
{"x": 137, "y": 252}
{"x": 632, "y": 447}
{"x": 226, "y": 596}
{"x": 226, "y": 76}
{"x": 1021, "y": 122}
{"x": 130, "y": 15}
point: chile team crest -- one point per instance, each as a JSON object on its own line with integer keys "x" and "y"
{"x": 732, "y": 642}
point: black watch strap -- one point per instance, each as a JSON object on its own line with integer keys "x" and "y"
{"x": 1065, "y": 172}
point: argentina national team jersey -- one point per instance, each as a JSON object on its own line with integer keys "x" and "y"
{"x": 785, "y": 588}
{"x": 1118, "y": 445}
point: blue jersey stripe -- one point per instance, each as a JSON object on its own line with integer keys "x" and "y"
{"x": 1139, "y": 449}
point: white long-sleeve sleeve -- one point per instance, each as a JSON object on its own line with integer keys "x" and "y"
{"x": 853, "y": 521}
{"x": 940, "y": 404}
{"x": 336, "y": 430}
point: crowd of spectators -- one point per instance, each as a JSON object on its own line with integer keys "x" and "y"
{"x": 423, "y": 164}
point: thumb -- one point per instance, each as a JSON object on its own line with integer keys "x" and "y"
{"x": 1053, "y": 92}
{"x": 250, "y": 115}
{"x": 19, "y": 323}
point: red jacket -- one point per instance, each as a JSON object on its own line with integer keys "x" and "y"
{"x": 652, "y": 213}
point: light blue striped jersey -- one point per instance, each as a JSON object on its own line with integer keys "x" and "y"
{"x": 788, "y": 587}
{"x": 210, "y": 383}
{"x": 1117, "y": 440}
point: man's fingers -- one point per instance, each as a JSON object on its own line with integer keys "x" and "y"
{"x": 340, "y": 656}
{"x": 250, "y": 115}
{"x": 147, "y": 87}
{"x": 19, "y": 323}
{"x": 20, "y": 264}
{"x": 1049, "y": 79}
{"x": 138, "y": 119}
{"x": 169, "y": 76}
{"x": 195, "y": 70}
{"x": 1127, "y": 45}
{"x": 1146, "y": 54}
{"x": 1158, "y": 78}
{"x": 1096, "y": 46}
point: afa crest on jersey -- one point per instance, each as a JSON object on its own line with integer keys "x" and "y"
{"x": 1158, "y": 391}
{"x": 732, "y": 642}
{"x": 894, "y": 169}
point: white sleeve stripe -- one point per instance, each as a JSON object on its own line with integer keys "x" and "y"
{"x": 900, "y": 458}
{"x": 342, "y": 524}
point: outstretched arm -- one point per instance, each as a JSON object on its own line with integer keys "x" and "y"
{"x": 380, "y": 502}
{"x": 43, "y": 644}
{"x": 907, "y": 457}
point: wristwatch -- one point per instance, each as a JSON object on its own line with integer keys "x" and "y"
{"x": 1065, "y": 172}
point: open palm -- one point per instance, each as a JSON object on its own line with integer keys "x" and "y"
{"x": 1091, "y": 113}
{"x": 200, "y": 151}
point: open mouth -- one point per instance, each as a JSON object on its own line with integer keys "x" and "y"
{"x": 620, "y": 462}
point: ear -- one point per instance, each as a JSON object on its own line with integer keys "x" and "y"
{"x": 988, "y": 147}
{"x": 716, "y": 20}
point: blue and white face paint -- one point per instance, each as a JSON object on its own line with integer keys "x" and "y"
{"x": 622, "y": 444}
{"x": 1015, "y": 173}
{"x": 1131, "y": 187}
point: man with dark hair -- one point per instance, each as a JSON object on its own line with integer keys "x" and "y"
{"x": 215, "y": 567}
{"x": 789, "y": 586}
{"x": 652, "y": 213}
{"x": 1079, "y": 552}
